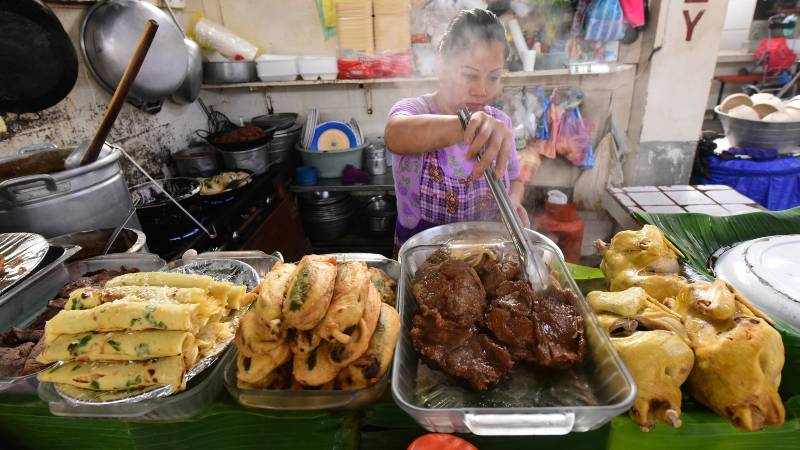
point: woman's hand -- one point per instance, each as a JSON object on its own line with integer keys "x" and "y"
{"x": 522, "y": 213}
{"x": 484, "y": 131}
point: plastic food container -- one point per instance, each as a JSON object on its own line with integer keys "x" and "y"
{"x": 276, "y": 67}
{"x": 28, "y": 304}
{"x": 602, "y": 376}
{"x": 331, "y": 164}
{"x": 199, "y": 393}
{"x": 313, "y": 67}
{"x": 316, "y": 400}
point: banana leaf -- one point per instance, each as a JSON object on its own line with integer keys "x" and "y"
{"x": 588, "y": 278}
{"x": 702, "y": 429}
{"x": 698, "y": 236}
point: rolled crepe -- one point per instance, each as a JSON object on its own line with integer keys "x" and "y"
{"x": 228, "y": 293}
{"x": 212, "y": 334}
{"x": 121, "y": 346}
{"x": 118, "y": 375}
{"x": 118, "y": 316}
{"x": 87, "y": 298}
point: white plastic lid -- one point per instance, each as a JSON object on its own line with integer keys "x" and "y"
{"x": 556, "y": 197}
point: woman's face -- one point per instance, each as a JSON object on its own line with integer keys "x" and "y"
{"x": 472, "y": 76}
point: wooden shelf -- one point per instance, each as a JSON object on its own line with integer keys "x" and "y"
{"x": 510, "y": 78}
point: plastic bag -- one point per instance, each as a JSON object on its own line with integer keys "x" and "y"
{"x": 604, "y": 21}
{"x": 778, "y": 55}
{"x": 212, "y": 35}
{"x": 574, "y": 140}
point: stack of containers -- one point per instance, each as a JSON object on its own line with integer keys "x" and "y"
{"x": 354, "y": 25}
{"x": 392, "y": 25}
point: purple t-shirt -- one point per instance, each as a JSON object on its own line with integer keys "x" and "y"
{"x": 407, "y": 169}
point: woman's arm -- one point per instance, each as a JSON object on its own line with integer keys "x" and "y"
{"x": 412, "y": 135}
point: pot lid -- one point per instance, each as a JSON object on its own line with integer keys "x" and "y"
{"x": 278, "y": 121}
{"x": 764, "y": 270}
{"x": 109, "y": 34}
{"x": 40, "y": 69}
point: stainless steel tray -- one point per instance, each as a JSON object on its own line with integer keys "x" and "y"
{"x": 519, "y": 405}
{"x": 22, "y": 253}
{"x": 278, "y": 399}
{"x": 30, "y": 298}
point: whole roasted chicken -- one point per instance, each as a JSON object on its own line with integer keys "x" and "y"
{"x": 653, "y": 343}
{"x": 738, "y": 355}
{"x": 643, "y": 258}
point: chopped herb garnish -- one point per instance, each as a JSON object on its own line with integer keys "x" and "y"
{"x": 114, "y": 344}
{"x": 142, "y": 349}
{"x": 95, "y": 385}
{"x": 299, "y": 290}
{"x": 75, "y": 347}
{"x": 135, "y": 320}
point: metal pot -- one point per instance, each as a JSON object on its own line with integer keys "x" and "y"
{"x": 281, "y": 149}
{"x": 228, "y": 72}
{"x": 200, "y": 161}
{"x": 255, "y": 160}
{"x": 381, "y": 214}
{"x": 92, "y": 242}
{"x": 88, "y": 197}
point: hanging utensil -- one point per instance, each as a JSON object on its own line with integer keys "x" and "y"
{"x": 533, "y": 269}
{"x": 87, "y": 154}
{"x": 189, "y": 90}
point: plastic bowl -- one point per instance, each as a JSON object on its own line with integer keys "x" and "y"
{"x": 331, "y": 164}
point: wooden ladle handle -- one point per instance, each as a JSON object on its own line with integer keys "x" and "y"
{"x": 121, "y": 93}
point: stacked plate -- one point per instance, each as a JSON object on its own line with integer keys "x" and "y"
{"x": 330, "y": 136}
{"x": 310, "y": 127}
{"x": 327, "y": 215}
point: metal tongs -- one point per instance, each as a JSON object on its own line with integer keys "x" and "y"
{"x": 534, "y": 270}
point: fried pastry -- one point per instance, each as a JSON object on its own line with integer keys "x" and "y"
{"x": 371, "y": 366}
{"x": 309, "y": 292}
{"x": 347, "y": 306}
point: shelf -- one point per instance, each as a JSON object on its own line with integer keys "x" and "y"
{"x": 383, "y": 182}
{"x": 510, "y": 78}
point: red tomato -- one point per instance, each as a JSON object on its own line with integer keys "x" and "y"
{"x": 439, "y": 441}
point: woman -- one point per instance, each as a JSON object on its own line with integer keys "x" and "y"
{"x": 437, "y": 177}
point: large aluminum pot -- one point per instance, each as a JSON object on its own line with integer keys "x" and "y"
{"x": 88, "y": 197}
{"x": 255, "y": 160}
{"x": 745, "y": 133}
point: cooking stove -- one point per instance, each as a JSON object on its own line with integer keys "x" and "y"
{"x": 235, "y": 220}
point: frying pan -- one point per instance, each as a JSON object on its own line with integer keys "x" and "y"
{"x": 39, "y": 63}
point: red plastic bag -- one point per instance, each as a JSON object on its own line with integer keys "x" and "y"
{"x": 779, "y": 56}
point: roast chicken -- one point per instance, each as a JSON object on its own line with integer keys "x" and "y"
{"x": 643, "y": 258}
{"x": 653, "y": 343}
{"x": 738, "y": 355}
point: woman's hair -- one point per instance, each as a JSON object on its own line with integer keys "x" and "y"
{"x": 470, "y": 26}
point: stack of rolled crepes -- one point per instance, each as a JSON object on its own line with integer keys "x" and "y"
{"x": 318, "y": 324}
{"x": 140, "y": 330}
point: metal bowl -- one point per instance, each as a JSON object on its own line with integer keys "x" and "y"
{"x": 744, "y": 133}
{"x": 108, "y": 37}
{"x": 229, "y": 72}
{"x": 92, "y": 242}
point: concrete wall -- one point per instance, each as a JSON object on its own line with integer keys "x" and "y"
{"x": 670, "y": 98}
